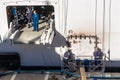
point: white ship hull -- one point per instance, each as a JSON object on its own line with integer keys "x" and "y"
{"x": 75, "y": 15}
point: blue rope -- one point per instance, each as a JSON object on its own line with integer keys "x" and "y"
{"x": 100, "y": 77}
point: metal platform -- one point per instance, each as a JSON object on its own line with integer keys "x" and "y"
{"x": 26, "y": 35}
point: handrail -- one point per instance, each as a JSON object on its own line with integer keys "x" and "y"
{"x": 48, "y": 34}
{"x": 9, "y": 32}
{"x": 91, "y": 57}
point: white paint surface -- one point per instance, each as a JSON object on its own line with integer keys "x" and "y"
{"x": 80, "y": 18}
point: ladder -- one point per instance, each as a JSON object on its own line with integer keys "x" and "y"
{"x": 83, "y": 74}
{"x": 96, "y": 65}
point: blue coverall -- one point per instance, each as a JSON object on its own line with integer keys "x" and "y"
{"x": 35, "y": 18}
{"x": 14, "y": 12}
{"x": 98, "y": 56}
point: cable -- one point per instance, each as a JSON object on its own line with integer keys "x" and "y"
{"x": 96, "y": 17}
{"x": 59, "y": 14}
{"x": 103, "y": 38}
{"x": 64, "y": 15}
{"x": 96, "y": 23}
{"x": 66, "y": 7}
{"x": 109, "y": 30}
{"x": 60, "y": 42}
{"x": 103, "y": 35}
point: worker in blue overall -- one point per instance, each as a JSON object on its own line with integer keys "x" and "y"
{"x": 66, "y": 56}
{"x": 14, "y": 11}
{"x": 35, "y": 18}
{"x": 98, "y": 54}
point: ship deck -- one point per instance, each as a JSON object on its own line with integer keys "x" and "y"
{"x": 28, "y": 36}
{"x": 57, "y": 75}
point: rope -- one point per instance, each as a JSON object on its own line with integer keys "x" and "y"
{"x": 64, "y": 16}
{"x": 59, "y": 14}
{"x": 96, "y": 23}
{"x": 66, "y": 8}
{"x": 61, "y": 63}
{"x": 103, "y": 38}
{"x": 109, "y": 29}
{"x": 103, "y": 35}
{"x": 96, "y": 17}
